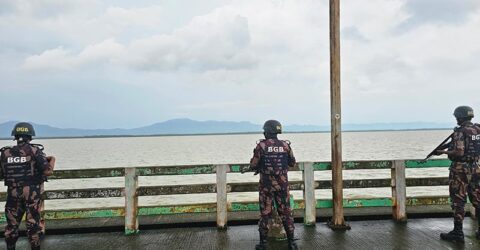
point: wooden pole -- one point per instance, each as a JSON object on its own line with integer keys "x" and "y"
{"x": 338, "y": 221}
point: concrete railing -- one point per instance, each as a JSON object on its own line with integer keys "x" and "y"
{"x": 309, "y": 204}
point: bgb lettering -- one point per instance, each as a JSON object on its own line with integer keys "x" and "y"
{"x": 275, "y": 149}
{"x": 17, "y": 159}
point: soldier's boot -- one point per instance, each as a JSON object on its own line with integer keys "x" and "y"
{"x": 292, "y": 245}
{"x": 11, "y": 244}
{"x": 456, "y": 235}
{"x": 262, "y": 245}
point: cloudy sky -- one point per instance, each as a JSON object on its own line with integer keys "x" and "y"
{"x": 104, "y": 64}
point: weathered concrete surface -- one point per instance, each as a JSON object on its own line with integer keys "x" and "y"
{"x": 380, "y": 234}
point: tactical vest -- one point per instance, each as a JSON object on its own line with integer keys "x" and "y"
{"x": 19, "y": 166}
{"x": 472, "y": 144}
{"x": 274, "y": 160}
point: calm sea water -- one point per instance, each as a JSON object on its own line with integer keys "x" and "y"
{"x": 207, "y": 149}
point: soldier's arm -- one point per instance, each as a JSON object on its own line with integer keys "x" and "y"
{"x": 257, "y": 154}
{"x": 445, "y": 146}
{"x": 457, "y": 145}
{"x": 291, "y": 158}
{"x": 49, "y": 170}
{"x": 43, "y": 163}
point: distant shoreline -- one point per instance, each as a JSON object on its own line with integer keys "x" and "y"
{"x": 233, "y": 133}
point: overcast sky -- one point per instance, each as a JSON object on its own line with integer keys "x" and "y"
{"x": 105, "y": 64}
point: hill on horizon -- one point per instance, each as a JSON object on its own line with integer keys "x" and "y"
{"x": 188, "y": 126}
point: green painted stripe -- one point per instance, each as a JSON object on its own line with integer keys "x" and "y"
{"x": 427, "y": 164}
{"x": 180, "y": 209}
{"x": 238, "y": 207}
{"x": 236, "y": 168}
{"x": 350, "y": 165}
{"x": 427, "y": 201}
{"x": 176, "y": 170}
{"x": 320, "y": 166}
{"x": 131, "y": 231}
{"x": 82, "y": 214}
{"x": 353, "y": 203}
{"x": 254, "y": 206}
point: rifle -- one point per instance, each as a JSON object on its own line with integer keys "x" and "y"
{"x": 244, "y": 170}
{"x": 440, "y": 146}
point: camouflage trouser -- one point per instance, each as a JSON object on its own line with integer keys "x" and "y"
{"x": 464, "y": 179}
{"x": 21, "y": 200}
{"x": 42, "y": 208}
{"x": 275, "y": 187}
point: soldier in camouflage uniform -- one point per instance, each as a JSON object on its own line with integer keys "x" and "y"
{"x": 272, "y": 158}
{"x": 464, "y": 178}
{"x": 24, "y": 167}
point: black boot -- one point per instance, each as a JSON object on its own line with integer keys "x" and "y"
{"x": 292, "y": 245}
{"x": 11, "y": 244}
{"x": 456, "y": 235}
{"x": 262, "y": 245}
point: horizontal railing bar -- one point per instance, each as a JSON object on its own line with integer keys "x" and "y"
{"x": 352, "y": 165}
{"x": 430, "y": 181}
{"x": 428, "y": 164}
{"x": 233, "y": 168}
{"x": 87, "y": 173}
{"x": 231, "y": 187}
{"x": 85, "y": 193}
{"x": 176, "y": 170}
{"x": 176, "y": 189}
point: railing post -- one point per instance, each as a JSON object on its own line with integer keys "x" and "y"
{"x": 222, "y": 196}
{"x": 131, "y": 201}
{"x": 309, "y": 194}
{"x": 399, "y": 191}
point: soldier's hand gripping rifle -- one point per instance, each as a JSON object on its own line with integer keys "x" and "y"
{"x": 441, "y": 146}
{"x": 244, "y": 170}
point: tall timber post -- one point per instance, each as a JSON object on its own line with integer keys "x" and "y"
{"x": 338, "y": 220}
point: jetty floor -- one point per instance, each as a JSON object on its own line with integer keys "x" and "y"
{"x": 372, "y": 234}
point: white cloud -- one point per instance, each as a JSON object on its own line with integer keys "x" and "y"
{"x": 59, "y": 58}
{"x": 218, "y": 41}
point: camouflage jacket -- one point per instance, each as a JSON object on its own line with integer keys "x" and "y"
{"x": 23, "y": 164}
{"x": 466, "y": 142}
{"x": 272, "y": 157}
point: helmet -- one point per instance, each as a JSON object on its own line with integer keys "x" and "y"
{"x": 462, "y": 112}
{"x": 272, "y": 127}
{"x": 23, "y": 128}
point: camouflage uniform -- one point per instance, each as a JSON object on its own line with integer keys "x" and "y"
{"x": 464, "y": 178}
{"x": 271, "y": 158}
{"x": 22, "y": 167}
